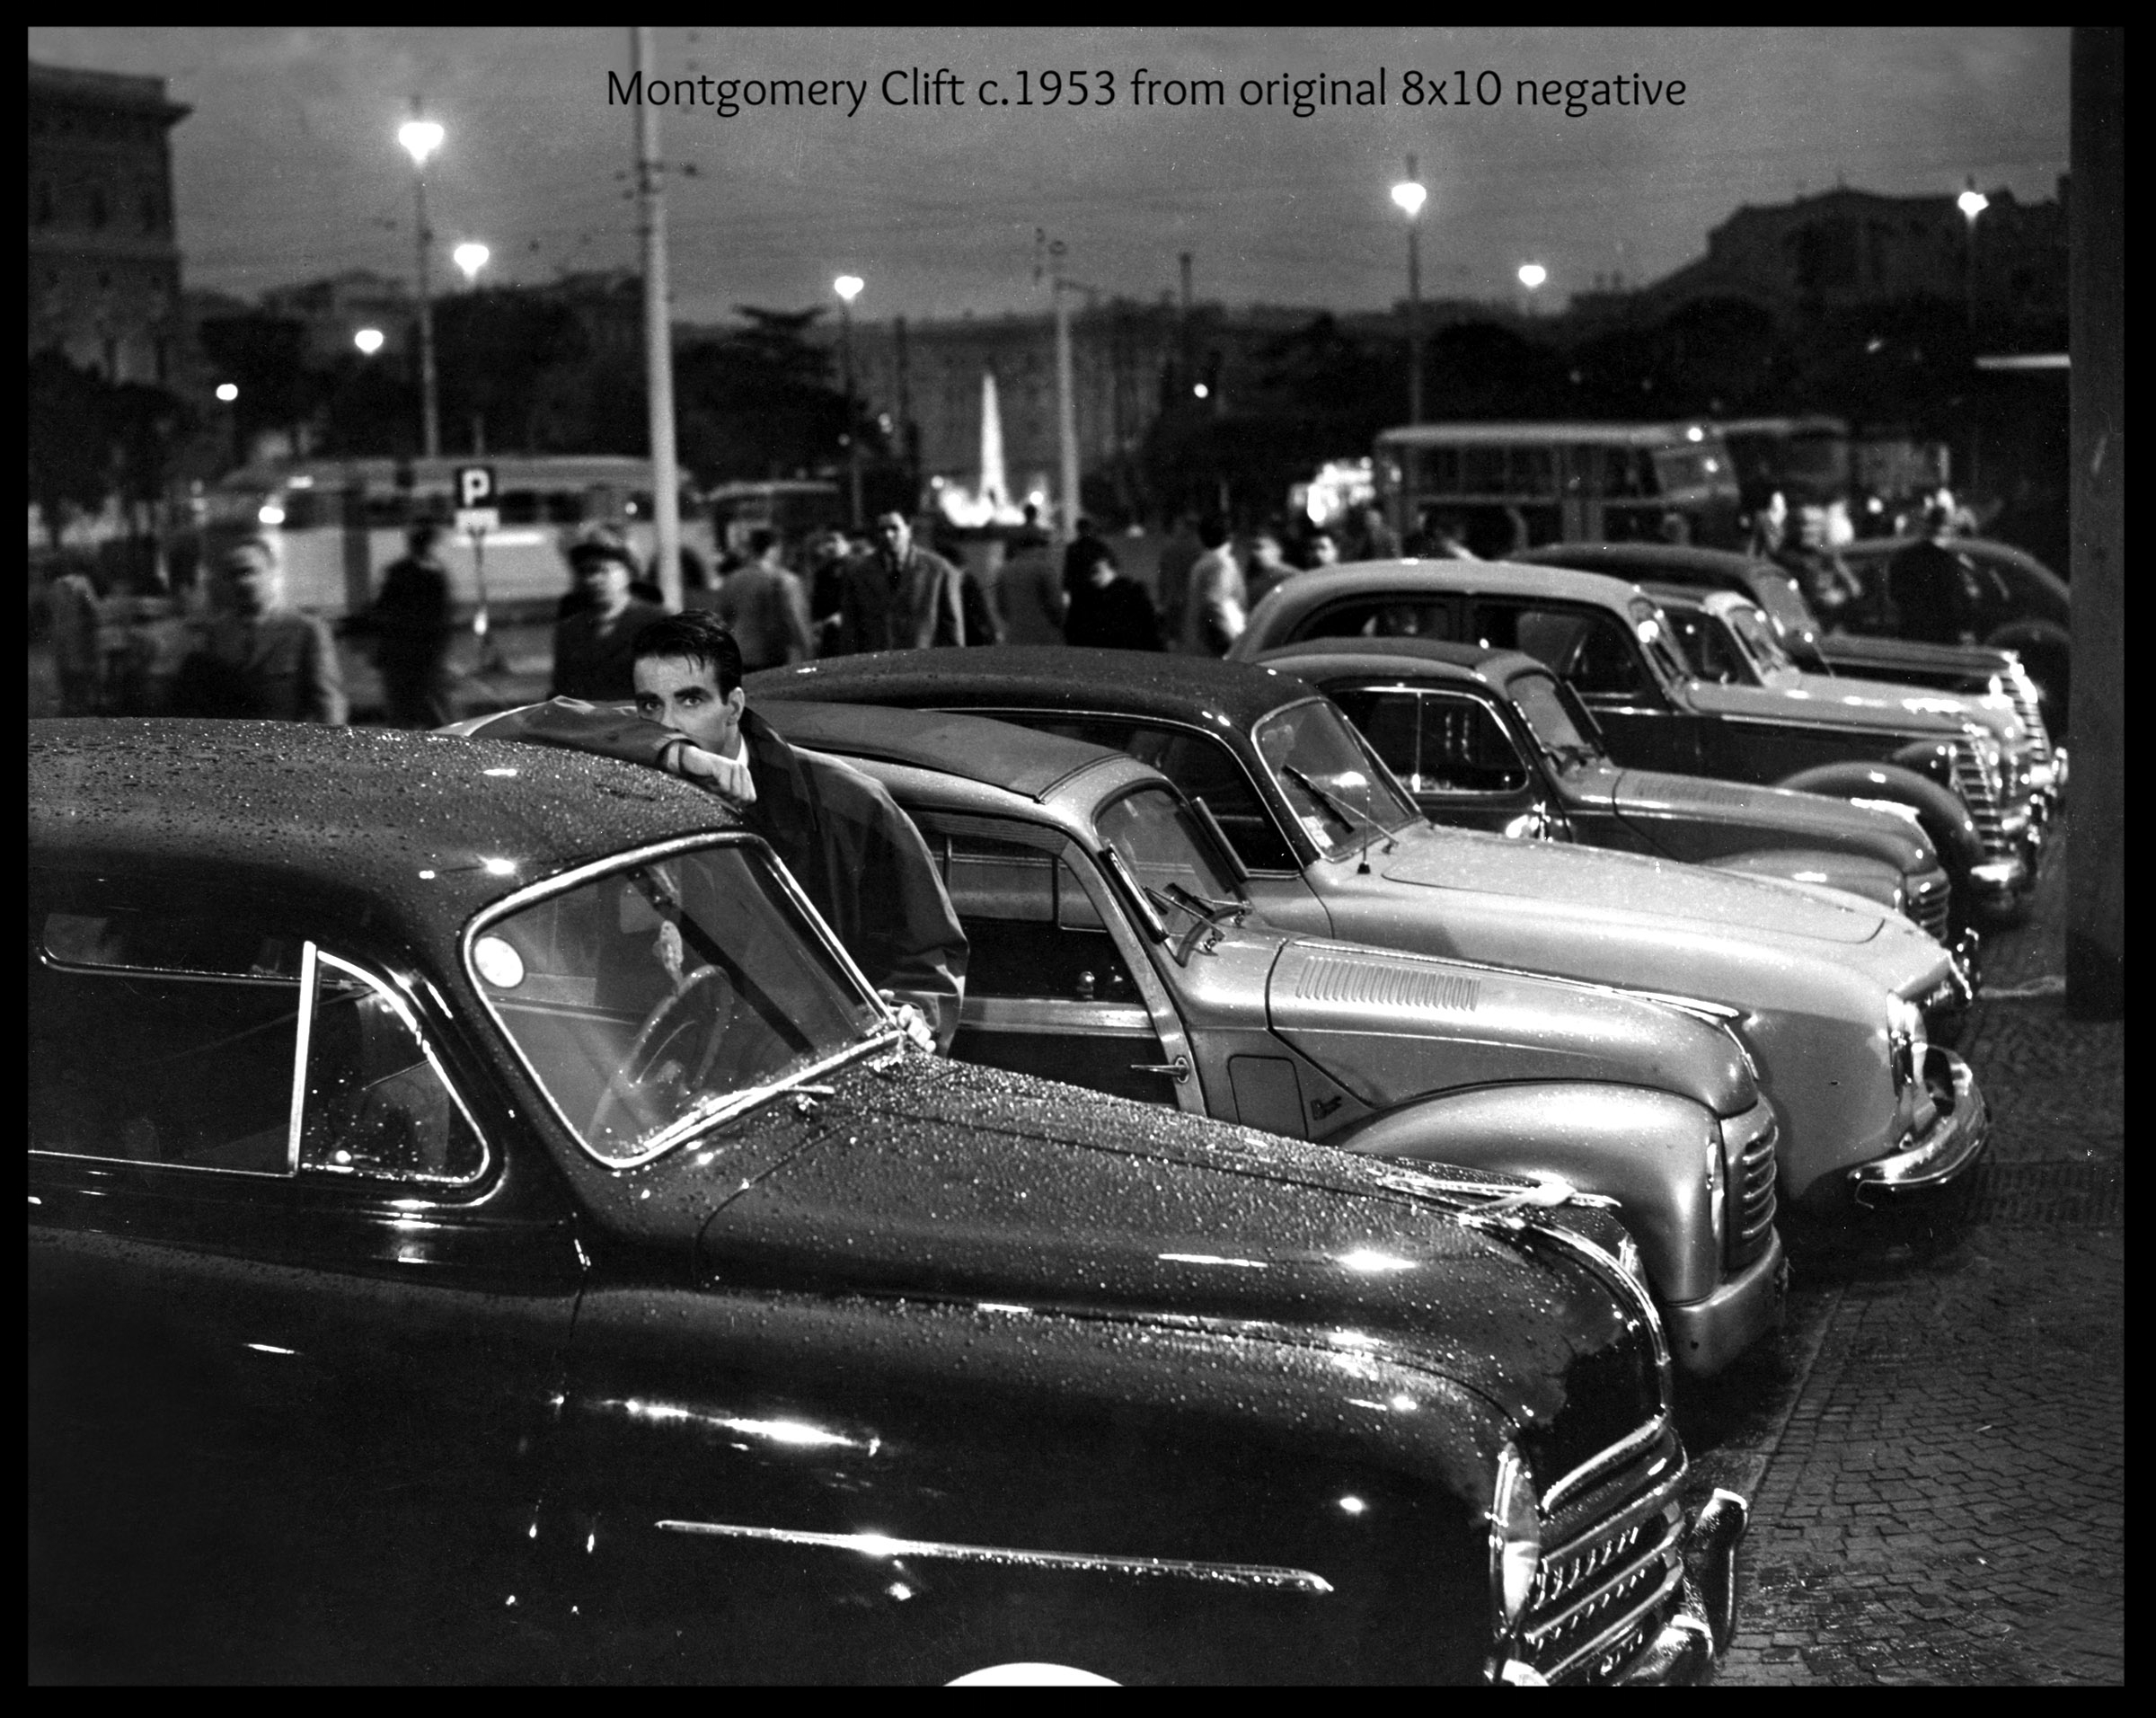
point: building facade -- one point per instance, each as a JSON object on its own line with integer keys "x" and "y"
{"x": 104, "y": 254}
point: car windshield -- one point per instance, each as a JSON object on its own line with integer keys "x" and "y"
{"x": 1658, "y": 633}
{"x": 1756, "y": 634}
{"x": 657, "y": 997}
{"x": 1166, "y": 850}
{"x": 1340, "y": 793}
{"x": 1560, "y": 721}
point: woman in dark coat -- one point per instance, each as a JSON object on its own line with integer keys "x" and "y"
{"x": 1108, "y": 611}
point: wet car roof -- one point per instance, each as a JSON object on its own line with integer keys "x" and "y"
{"x": 1677, "y": 563}
{"x": 1139, "y": 682}
{"x": 1484, "y": 664}
{"x": 1309, "y": 591}
{"x": 405, "y": 819}
{"x": 993, "y": 753}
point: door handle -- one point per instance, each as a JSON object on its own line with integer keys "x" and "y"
{"x": 1179, "y": 1070}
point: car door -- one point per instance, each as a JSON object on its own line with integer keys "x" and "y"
{"x": 1455, "y": 753}
{"x": 1047, "y": 989}
{"x": 1595, "y": 652}
{"x": 294, "y": 1322}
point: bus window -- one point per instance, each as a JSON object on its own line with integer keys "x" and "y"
{"x": 388, "y": 508}
{"x": 520, "y": 507}
{"x": 1482, "y": 471}
{"x": 564, "y": 506}
{"x": 1396, "y": 617}
{"x": 1530, "y": 471}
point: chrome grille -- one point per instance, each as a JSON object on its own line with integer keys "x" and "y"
{"x": 1752, "y": 1196}
{"x": 1982, "y": 798}
{"x": 1929, "y": 906}
{"x": 1604, "y": 1593}
{"x": 2023, "y": 691}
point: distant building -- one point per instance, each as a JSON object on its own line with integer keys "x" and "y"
{"x": 1845, "y": 249}
{"x": 104, "y": 257}
{"x": 335, "y": 309}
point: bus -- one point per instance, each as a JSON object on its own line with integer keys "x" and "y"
{"x": 1513, "y": 486}
{"x": 788, "y": 511}
{"x": 337, "y": 524}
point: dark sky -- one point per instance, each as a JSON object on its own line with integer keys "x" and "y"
{"x": 288, "y": 168}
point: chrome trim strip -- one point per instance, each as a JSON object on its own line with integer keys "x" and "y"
{"x": 310, "y": 960}
{"x": 1673, "y": 1579}
{"x": 1605, "y": 1461}
{"x": 877, "y": 1544}
{"x": 1049, "y": 1014}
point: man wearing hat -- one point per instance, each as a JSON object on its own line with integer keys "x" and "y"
{"x": 595, "y": 646}
{"x": 259, "y": 656}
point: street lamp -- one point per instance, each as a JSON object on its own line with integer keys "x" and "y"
{"x": 227, "y": 391}
{"x": 848, "y": 286}
{"x": 369, "y": 340}
{"x": 1972, "y": 203}
{"x": 1532, "y": 276}
{"x": 471, "y": 259}
{"x": 420, "y": 138}
{"x": 1409, "y": 194}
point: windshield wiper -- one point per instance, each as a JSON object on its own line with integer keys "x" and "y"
{"x": 1347, "y": 814}
{"x": 1214, "y": 910}
{"x": 1202, "y": 919}
{"x": 1569, "y": 755}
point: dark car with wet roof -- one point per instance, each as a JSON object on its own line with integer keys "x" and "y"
{"x": 483, "y": 1225}
{"x": 1831, "y": 1000}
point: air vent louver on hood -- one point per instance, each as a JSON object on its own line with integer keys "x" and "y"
{"x": 1385, "y": 984}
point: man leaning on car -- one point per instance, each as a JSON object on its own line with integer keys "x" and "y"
{"x": 855, "y": 855}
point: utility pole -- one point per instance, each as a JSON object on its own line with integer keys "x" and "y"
{"x": 1067, "y": 411}
{"x": 422, "y": 138}
{"x": 909, "y": 451}
{"x": 1414, "y": 302}
{"x": 659, "y": 333}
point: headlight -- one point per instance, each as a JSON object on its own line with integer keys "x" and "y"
{"x": 1906, "y": 1040}
{"x": 1516, "y": 1541}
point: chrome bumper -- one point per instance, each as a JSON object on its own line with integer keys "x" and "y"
{"x": 1706, "y": 1335}
{"x": 1685, "y": 1652}
{"x": 1948, "y": 1147}
{"x": 2000, "y": 882}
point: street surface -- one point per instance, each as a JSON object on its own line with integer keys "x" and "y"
{"x": 1935, "y": 1449}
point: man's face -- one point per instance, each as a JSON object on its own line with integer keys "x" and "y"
{"x": 604, "y": 581}
{"x": 684, "y": 695}
{"x": 895, "y": 535}
{"x": 253, "y": 580}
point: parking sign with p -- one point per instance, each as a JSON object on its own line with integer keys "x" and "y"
{"x": 476, "y": 513}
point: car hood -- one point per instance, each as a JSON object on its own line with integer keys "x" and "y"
{"x": 1559, "y": 877}
{"x": 1881, "y": 658}
{"x": 1993, "y": 711}
{"x": 1646, "y": 801}
{"x": 1839, "y": 706}
{"x": 943, "y": 1181}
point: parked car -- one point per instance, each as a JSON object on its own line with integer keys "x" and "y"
{"x": 1830, "y": 998}
{"x": 1111, "y": 946}
{"x": 1811, "y": 640}
{"x": 1491, "y": 739}
{"x": 1612, "y": 641}
{"x": 482, "y": 1225}
{"x": 2017, "y": 604}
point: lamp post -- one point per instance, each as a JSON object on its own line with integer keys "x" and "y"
{"x": 1532, "y": 276}
{"x": 470, "y": 259}
{"x": 420, "y": 138}
{"x": 369, "y": 340}
{"x": 848, "y": 287}
{"x": 1409, "y": 194}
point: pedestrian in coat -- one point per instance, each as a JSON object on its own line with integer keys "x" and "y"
{"x": 1029, "y": 589}
{"x": 258, "y": 655}
{"x": 763, "y": 605}
{"x": 1112, "y": 612}
{"x": 1218, "y": 604}
{"x": 595, "y": 647}
{"x": 410, "y": 623}
{"x": 900, "y": 597}
{"x": 77, "y": 654}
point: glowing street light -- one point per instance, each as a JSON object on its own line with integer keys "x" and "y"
{"x": 1533, "y": 275}
{"x": 369, "y": 340}
{"x": 227, "y": 391}
{"x": 470, "y": 258}
{"x": 1410, "y": 194}
{"x": 1972, "y": 203}
{"x": 848, "y": 286}
{"x": 420, "y": 138}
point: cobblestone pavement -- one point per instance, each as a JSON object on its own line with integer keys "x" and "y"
{"x": 1935, "y": 1450}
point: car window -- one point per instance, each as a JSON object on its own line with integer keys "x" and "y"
{"x": 654, "y": 999}
{"x": 1755, "y": 634}
{"x": 1589, "y": 648}
{"x": 1164, "y": 847}
{"x": 1708, "y": 651}
{"x": 166, "y": 1065}
{"x": 1203, "y": 766}
{"x": 1460, "y": 748}
{"x": 375, "y": 1103}
{"x": 1554, "y": 714}
{"x": 1402, "y": 617}
{"x": 1031, "y": 930}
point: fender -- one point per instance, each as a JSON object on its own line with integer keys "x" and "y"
{"x": 1939, "y": 810}
{"x": 2046, "y": 651}
{"x": 1646, "y": 1149}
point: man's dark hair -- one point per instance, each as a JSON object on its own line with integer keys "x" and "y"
{"x": 760, "y": 541}
{"x": 1213, "y": 531}
{"x": 421, "y": 538}
{"x": 695, "y": 635}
